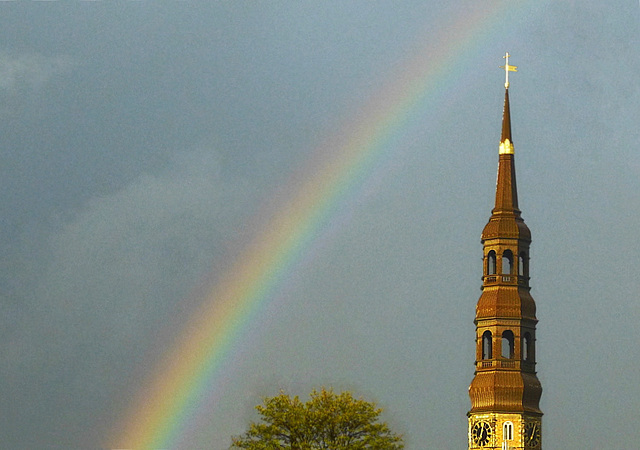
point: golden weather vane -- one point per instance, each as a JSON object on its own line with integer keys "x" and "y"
{"x": 507, "y": 68}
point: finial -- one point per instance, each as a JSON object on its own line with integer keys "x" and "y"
{"x": 507, "y": 68}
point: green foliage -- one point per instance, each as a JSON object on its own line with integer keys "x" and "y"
{"x": 326, "y": 421}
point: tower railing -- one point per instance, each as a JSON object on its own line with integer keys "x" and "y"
{"x": 527, "y": 366}
{"x": 516, "y": 280}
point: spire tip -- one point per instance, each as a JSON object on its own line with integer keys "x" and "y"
{"x": 507, "y": 68}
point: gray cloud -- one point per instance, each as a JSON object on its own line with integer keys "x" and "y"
{"x": 117, "y": 272}
{"x": 31, "y": 70}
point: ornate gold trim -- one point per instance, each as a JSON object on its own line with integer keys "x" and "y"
{"x": 506, "y": 147}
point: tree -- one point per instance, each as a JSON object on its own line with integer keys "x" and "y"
{"x": 326, "y": 421}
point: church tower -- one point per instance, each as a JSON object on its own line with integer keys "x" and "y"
{"x": 505, "y": 392}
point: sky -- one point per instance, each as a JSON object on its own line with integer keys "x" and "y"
{"x": 147, "y": 149}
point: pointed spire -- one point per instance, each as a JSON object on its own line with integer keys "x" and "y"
{"x": 506, "y": 143}
{"x": 506, "y": 192}
{"x": 505, "y": 218}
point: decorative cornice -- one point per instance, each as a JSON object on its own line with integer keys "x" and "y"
{"x": 506, "y": 147}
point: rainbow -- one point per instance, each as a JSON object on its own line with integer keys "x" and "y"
{"x": 341, "y": 170}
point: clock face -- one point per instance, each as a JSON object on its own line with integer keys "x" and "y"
{"x": 532, "y": 434}
{"x": 481, "y": 433}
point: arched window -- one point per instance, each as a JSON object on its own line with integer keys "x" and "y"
{"x": 486, "y": 345}
{"x": 527, "y": 347}
{"x": 507, "y": 344}
{"x": 507, "y": 431}
{"x": 491, "y": 263}
{"x": 522, "y": 265}
{"x": 507, "y": 262}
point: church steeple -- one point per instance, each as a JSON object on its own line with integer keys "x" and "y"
{"x": 506, "y": 192}
{"x": 505, "y": 391}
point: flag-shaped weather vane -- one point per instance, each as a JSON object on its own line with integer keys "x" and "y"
{"x": 507, "y": 68}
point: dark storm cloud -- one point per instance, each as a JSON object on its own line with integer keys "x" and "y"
{"x": 114, "y": 275}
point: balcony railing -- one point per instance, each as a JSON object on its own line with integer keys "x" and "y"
{"x": 518, "y": 280}
{"x": 506, "y": 363}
